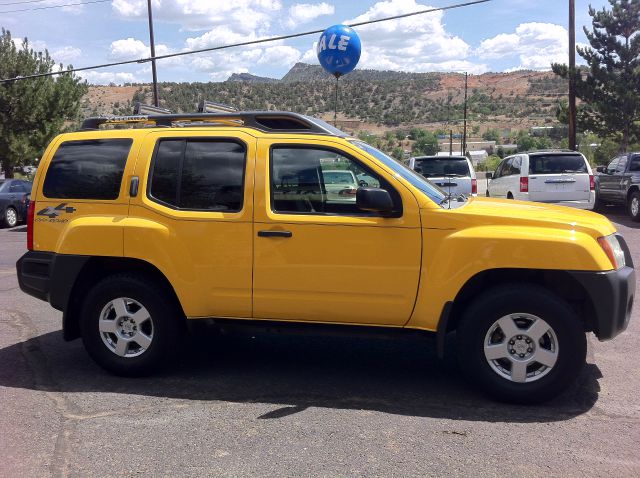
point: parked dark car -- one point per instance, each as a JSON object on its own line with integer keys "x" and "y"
{"x": 619, "y": 183}
{"x": 14, "y": 201}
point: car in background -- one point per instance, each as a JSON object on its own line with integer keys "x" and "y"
{"x": 453, "y": 174}
{"x": 619, "y": 183}
{"x": 14, "y": 201}
{"x": 341, "y": 185}
{"x": 560, "y": 177}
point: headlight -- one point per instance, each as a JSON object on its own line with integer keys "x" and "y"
{"x": 612, "y": 248}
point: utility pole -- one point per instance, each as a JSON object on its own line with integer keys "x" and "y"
{"x": 572, "y": 73}
{"x": 450, "y": 142}
{"x": 156, "y": 99}
{"x": 464, "y": 130}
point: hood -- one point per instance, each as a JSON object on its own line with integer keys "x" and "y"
{"x": 481, "y": 211}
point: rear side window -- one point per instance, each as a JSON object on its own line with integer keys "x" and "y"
{"x": 439, "y": 167}
{"x": 87, "y": 169}
{"x": 199, "y": 174}
{"x": 635, "y": 163}
{"x": 557, "y": 164}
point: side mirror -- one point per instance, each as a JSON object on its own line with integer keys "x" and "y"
{"x": 489, "y": 175}
{"x": 601, "y": 169}
{"x": 374, "y": 199}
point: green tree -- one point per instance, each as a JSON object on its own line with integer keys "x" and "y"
{"x": 32, "y": 111}
{"x": 610, "y": 92}
{"x": 491, "y": 135}
{"x": 426, "y": 144}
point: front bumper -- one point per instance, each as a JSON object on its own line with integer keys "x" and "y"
{"x": 612, "y": 295}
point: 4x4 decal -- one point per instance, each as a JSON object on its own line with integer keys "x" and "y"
{"x": 53, "y": 212}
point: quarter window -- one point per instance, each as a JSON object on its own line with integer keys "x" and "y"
{"x": 318, "y": 181}
{"x": 199, "y": 174}
{"x": 90, "y": 169}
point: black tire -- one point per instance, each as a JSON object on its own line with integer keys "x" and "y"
{"x": 167, "y": 325}
{"x": 509, "y": 196}
{"x": 481, "y": 316}
{"x": 598, "y": 205}
{"x": 10, "y": 218}
{"x": 487, "y": 193}
{"x": 633, "y": 204}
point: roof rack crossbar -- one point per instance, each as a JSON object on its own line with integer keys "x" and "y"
{"x": 266, "y": 121}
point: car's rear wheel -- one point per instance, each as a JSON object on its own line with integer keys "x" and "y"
{"x": 521, "y": 344}
{"x": 10, "y": 217}
{"x": 633, "y": 206}
{"x": 128, "y": 326}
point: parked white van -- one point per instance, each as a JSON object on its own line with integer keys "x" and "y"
{"x": 559, "y": 177}
{"x": 453, "y": 174}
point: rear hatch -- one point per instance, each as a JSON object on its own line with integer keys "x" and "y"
{"x": 557, "y": 177}
{"x": 451, "y": 174}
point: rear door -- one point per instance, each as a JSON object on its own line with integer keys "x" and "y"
{"x": 558, "y": 177}
{"x": 452, "y": 175}
{"x": 608, "y": 182}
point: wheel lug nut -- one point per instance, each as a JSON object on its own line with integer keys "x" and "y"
{"x": 521, "y": 355}
{"x": 511, "y": 342}
{"x": 519, "y": 337}
{"x": 512, "y": 351}
{"x": 528, "y": 341}
{"x": 529, "y": 349}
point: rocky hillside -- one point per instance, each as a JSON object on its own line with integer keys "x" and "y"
{"x": 369, "y": 99}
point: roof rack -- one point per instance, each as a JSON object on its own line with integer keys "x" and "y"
{"x": 266, "y": 121}
{"x": 210, "y": 107}
{"x": 142, "y": 109}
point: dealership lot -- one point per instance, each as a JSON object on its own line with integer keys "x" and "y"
{"x": 297, "y": 406}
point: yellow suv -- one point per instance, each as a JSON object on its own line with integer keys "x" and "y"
{"x": 132, "y": 232}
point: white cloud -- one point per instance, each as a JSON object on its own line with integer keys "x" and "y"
{"x": 66, "y": 54}
{"x": 239, "y": 15}
{"x": 281, "y": 55}
{"x": 536, "y": 45}
{"x": 105, "y": 77}
{"x": 418, "y": 43}
{"x": 128, "y": 49}
{"x": 302, "y": 13}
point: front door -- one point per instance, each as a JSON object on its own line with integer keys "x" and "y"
{"x": 317, "y": 256}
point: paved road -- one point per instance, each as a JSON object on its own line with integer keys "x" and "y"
{"x": 275, "y": 406}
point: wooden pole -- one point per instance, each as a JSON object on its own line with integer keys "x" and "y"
{"x": 572, "y": 75}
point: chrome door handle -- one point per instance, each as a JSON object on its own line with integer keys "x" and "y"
{"x": 275, "y": 233}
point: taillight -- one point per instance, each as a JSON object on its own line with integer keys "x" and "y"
{"x": 30, "y": 215}
{"x": 474, "y": 186}
{"x": 592, "y": 182}
{"x": 524, "y": 184}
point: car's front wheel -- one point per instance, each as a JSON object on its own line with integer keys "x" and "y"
{"x": 633, "y": 206}
{"x": 521, "y": 344}
{"x": 128, "y": 326}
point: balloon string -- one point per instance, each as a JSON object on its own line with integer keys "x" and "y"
{"x": 335, "y": 109}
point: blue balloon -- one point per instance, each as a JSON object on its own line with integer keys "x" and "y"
{"x": 339, "y": 49}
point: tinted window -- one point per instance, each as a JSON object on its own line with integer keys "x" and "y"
{"x": 516, "y": 165}
{"x": 611, "y": 168}
{"x": 635, "y": 163}
{"x": 506, "y": 167}
{"x": 199, "y": 174}
{"x": 434, "y": 167}
{"x": 15, "y": 187}
{"x": 557, "y": 164}
{"x": 306, "y": 180}
{"x": 622, "y": 164}
{"x": 87, "y": 169}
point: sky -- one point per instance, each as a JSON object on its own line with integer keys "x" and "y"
{"x": 501, "y": 35}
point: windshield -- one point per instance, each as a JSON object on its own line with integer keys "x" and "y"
{"x": 557, "y": 164}
{"x": 432, "y": 191}
{"x": 433, "y": 167}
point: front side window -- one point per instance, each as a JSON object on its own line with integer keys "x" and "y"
{"x": 197, "y": 174}
{"x": 507, "y": 169}
{"x": 90, "y": 169}
{"x": 635, "y": 163}
{"x": 622, "y": 164}
{"x": 611, "y": 168}
{"x": 319, "y": 181}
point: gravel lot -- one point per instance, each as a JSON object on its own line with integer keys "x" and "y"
{"x": 282, "y": 406}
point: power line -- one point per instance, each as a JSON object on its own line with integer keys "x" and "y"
{"x": 23, "y": 2}
{"x": 233, "y": 45}
{"x": 53, "y": 6}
